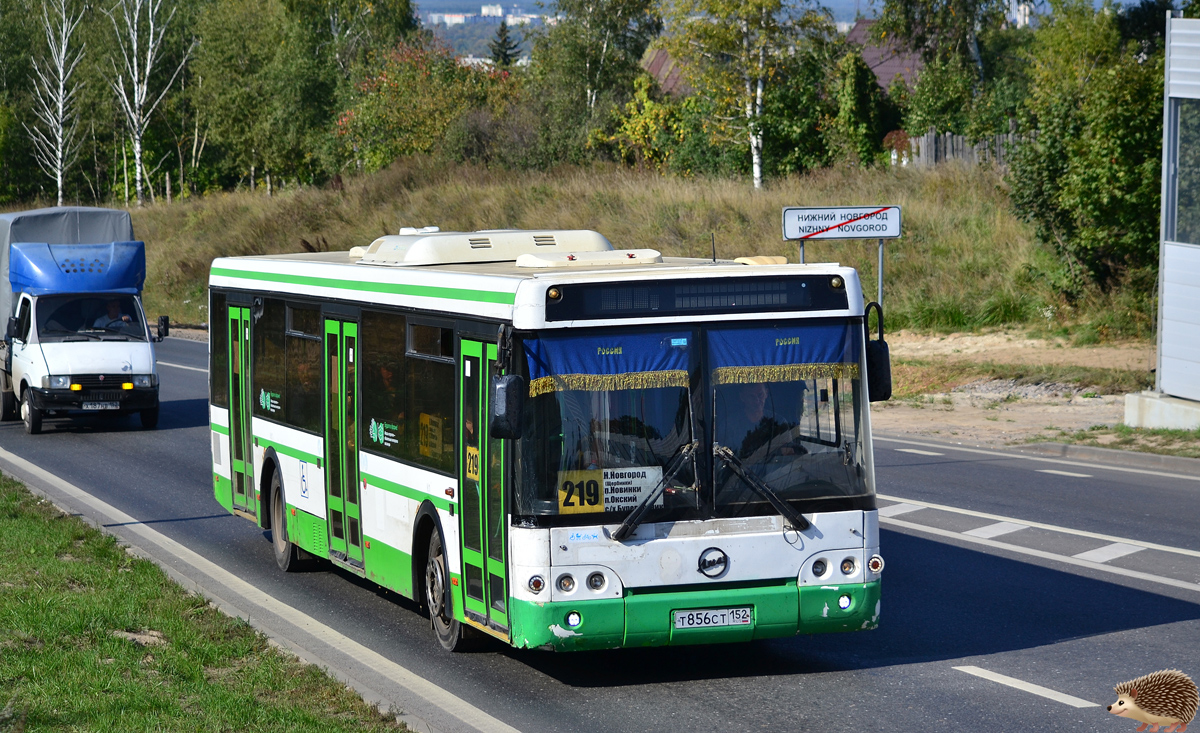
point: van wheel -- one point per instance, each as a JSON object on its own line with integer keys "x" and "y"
{"x": 451, "y": 634}
{"x": 287, "y": 554}
{"x": 8, "y": 405}
{"x": 31, "y": 415}
{"x": 150, "y": 418}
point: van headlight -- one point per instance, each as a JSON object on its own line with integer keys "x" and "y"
{"x": 56, "y": 382}
{"x": 144, "y": 380}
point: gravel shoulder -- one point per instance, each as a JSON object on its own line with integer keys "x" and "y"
{"x": 1003, "y": 412}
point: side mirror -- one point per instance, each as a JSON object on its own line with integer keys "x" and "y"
{"x": 12, "y": 328}
{"x": 879, "y": 360}
{"x": 507, "y": 400}
{"x": 164, "y": 327}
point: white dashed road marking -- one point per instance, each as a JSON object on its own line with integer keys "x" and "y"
{"x": 1109, "y": 552}
{"x": 181, "y": 366}
{"x": 1064, "y": 473}
{"x": 896, "y": 509}
{"x": 995, "y": 530}
{"x": 916, "y": 452}
{"x": 1045, "y": 692}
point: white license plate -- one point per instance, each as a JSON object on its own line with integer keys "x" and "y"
{"x": 709, "y": 617}
{"x": 101, "y": 405}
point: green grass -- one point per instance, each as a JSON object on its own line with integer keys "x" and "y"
{"x": 1185, "y": 443}
{"x": 67, "y": 595}
{"x": 965, "y": 260}
{"x": 920, "y": 376}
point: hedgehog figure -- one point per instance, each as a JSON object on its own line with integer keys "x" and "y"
{"x": 1167, "y": 698}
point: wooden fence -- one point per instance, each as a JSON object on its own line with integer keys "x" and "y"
{"x": 926, "y": 151}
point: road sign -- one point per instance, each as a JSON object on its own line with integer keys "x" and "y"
{"x": 846, "y": 222}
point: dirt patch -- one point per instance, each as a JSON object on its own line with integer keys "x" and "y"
{"x": 1014, "y": 347}
{"x": 145, "y": 637}
{"x": 191, "y": 334}
{"x": 946, "y": 403}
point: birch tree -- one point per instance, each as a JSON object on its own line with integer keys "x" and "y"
{"x": 732, "y": 51}
{"x": 54, "y": 135}
{"x": 140, "y": 29}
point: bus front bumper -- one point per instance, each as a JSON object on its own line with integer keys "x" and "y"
{"x": 647, "y": 618}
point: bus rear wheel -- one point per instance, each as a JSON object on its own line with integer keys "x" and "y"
{"x": 287, "y": 554}
{"x": 450, "y": 632}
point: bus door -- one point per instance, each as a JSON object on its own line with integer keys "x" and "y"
{"x": 241, "y": 459}
{"x": 481, "y": 497}
{"x": 341, "y": 441}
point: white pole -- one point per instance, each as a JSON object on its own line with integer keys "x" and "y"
{"x": 879, "y": 292}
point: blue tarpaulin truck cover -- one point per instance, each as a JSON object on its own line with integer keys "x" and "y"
{"x": 68, "y": 249}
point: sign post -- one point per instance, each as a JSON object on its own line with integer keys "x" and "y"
{"x": 844, "y": 222}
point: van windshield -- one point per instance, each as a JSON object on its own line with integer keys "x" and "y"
{"x": 89, "y": 318}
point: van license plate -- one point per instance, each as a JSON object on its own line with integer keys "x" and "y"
{"x": 712, "y": 617}
{"x": 101, "y": 405}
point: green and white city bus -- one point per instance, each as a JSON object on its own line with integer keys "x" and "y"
{"x": 555, "y": 443}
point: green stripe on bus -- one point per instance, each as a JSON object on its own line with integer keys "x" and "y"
{"x": 289, "y": 451}
{"x": 424, "y": 291}
{"x": 405, "y": 491}
{"x": 219, "y": 429}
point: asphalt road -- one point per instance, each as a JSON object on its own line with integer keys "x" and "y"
{"x": 1008, "y": 605}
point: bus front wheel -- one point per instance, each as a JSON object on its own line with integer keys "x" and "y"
{"x": 287, "y": 554}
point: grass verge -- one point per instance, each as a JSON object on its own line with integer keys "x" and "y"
{"x": 1185, "y": 443}
{"x": 92, "y": 638}
{"x": 911, "y": 377}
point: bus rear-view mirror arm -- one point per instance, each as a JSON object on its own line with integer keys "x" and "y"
{"x": 879, "y": 359}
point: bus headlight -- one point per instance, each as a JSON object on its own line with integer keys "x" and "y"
{"x": 144, "y": 380}
{"x": 56, "y": 382}
{"x": 596, "y": 581}
{"x": 848, "y": 566}
{"x": 819, "y": 568}
{"x": 566, "y": 583}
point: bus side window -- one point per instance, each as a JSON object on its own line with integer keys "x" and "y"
{"x": 382, "y": 345}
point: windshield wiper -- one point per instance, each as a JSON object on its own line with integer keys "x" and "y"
{"x": 785, "y": 509}
{"x": 635, "y": 517}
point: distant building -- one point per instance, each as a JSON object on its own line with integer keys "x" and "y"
{"x": 658, "y": 63}
{"x": 883, "y": 57}
{"x": 492, "y": 11}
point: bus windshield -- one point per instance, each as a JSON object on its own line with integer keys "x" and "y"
{"x": 607, "y": 413}
{"x": 609, "y": 410}
{"x": 105, "y": 317}
{"x": 787, "y": 404}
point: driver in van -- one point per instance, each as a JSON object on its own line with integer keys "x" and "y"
{"x": 112, "y": 315}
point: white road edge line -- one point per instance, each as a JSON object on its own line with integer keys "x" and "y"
{"x": 1042, "y": 554}
{"x": 400, "y": 675}
{"x": 1023, "y": 457}
{"x": 1039, "y": 525}
{"x": 181, "y": 366}
{"x": 1071, "y": 474}
{"x": 1045, "y": 692}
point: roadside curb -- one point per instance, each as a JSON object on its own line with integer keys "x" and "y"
{"x": 1113, "y": 456}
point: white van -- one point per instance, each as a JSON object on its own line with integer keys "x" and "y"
{"x": 77, "y": 339}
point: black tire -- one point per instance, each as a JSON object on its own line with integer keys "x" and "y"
{"x": 287, "y": 555}
{"x": 8, "y": 405}
{"x": 31, "y": 415}
{"x": 451, "y": 634}
{"x": 149, "y": 418}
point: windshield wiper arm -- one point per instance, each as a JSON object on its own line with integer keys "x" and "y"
{"x": 635, "y": 517}
{"x": 785, "y": 509}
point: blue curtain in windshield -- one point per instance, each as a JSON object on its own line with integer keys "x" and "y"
{"x": 807, "y": 350}
{"x": 606, "y": 361}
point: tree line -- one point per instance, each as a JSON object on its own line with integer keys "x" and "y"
{"x": 136, "y": 101}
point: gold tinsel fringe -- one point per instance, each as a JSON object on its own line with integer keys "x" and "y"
{"x": 607, "y": 382}
{"x": 783, "y": 373}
